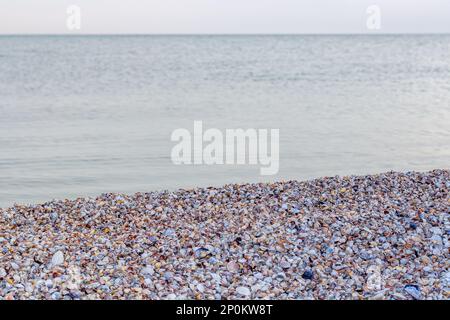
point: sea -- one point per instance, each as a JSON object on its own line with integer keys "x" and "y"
{"x": 86, "y": 115}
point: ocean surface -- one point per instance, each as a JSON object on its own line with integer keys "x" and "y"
{"x": 84, "y": 115}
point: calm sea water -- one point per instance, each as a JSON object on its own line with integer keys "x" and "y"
{"x": 86, "y": 115}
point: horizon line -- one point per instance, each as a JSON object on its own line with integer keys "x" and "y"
{"x": 375, "y": 33}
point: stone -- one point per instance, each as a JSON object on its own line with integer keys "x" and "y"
{"x": 57, "y": 259}
{"x": 147, "y": 271}
{"x": 168, "y": 276}
{"x": 232, "y": 267}
{"x": 170, "y": 232}
{"x": 201, "y": 288}
{"x": 308, "y": 275}
{"x": 413, "y": 291}
{"x": 243, "y": 291}
{"x": 54, "y": 216}
{"x": 201, "y": 253}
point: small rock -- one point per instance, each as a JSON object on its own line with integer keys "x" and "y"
{"x": 53, "y": 216}
{"x": 232, "y": 267}
{"x": 56, "y": 295}
{"x": 413, "y": 291}
{"x": 201, "y": 253}
{"x": 171, "y": 296}
{"x": 57, "y": 259}
{"x": 308, "y": 275}
{"x": 378, "y": 296}
{"x": 200, "y": 287}
{"x": 169, "y": 232}
{"x": 2, "y": 273}
{"x": 398, "y": 296}
{"x": 28, "y": 288}
{"x": 243, "y": 291}
{"x": 216, "y": 277}
{"x": 147, "y": 271}
{"x": 428, "y": 269}
{"x": 168, "y": 276}
{"x": 280, "y": 276}
{"x": 153, "y": 240}
{"x": 213, "y": 260}
{"x": 268, "y": 280}
{"x": 103, "y": 262}
{"x": 148, "y": 282}
{"x": 49, "y": 283}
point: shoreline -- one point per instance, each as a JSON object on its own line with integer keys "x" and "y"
{"x": 195, "y": 189}
{"x": 383, "y": 236}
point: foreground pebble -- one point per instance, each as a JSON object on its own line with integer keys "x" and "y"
{"x": 359, "y": 237}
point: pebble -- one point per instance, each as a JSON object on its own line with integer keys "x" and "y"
{"x": 216, "y": 277}
{"x": 213, "y": 260}
{"x": 280, "y": 276}
{"x": 53, "y": 216}
{"x": 103, "y": 262}
{"x": 243, "y": 291}
{"x": 308, "y": 275}
{"x": 168, "y": 276}
{"x": 413, "y": 226}
{"x": 414, "y": 291}
{"x": 148, "y": 281}
{"x": 56, "y": 295}
{"x": 169, "y": 232}
{"x": 147, "y": 271}
{"x": 57, "y": 259}
{"x": 15, "y": 266}
{"x": 201, "y": 253}
{"x": 200, "y": 287}
{"x": 232, "y": 266}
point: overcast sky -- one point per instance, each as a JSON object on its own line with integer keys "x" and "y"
{"x": 224, "y": 16}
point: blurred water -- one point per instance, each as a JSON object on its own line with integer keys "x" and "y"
{"x": 82, "y": 115}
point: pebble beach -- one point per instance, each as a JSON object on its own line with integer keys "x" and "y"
{"x": 383, "y": 236}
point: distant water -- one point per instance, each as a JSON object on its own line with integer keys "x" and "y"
{"x": 85, "y": 115}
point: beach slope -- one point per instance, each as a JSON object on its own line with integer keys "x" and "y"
{"x": 382, "y": 236}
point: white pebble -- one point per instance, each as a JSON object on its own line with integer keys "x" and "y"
{"x": 244, "y": 291}
{"x": 57, "y": 259}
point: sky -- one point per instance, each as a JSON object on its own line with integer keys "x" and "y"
{"x": 223, "y": 16}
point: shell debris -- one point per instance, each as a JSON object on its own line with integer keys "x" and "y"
{"x": 382, "y": 236}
